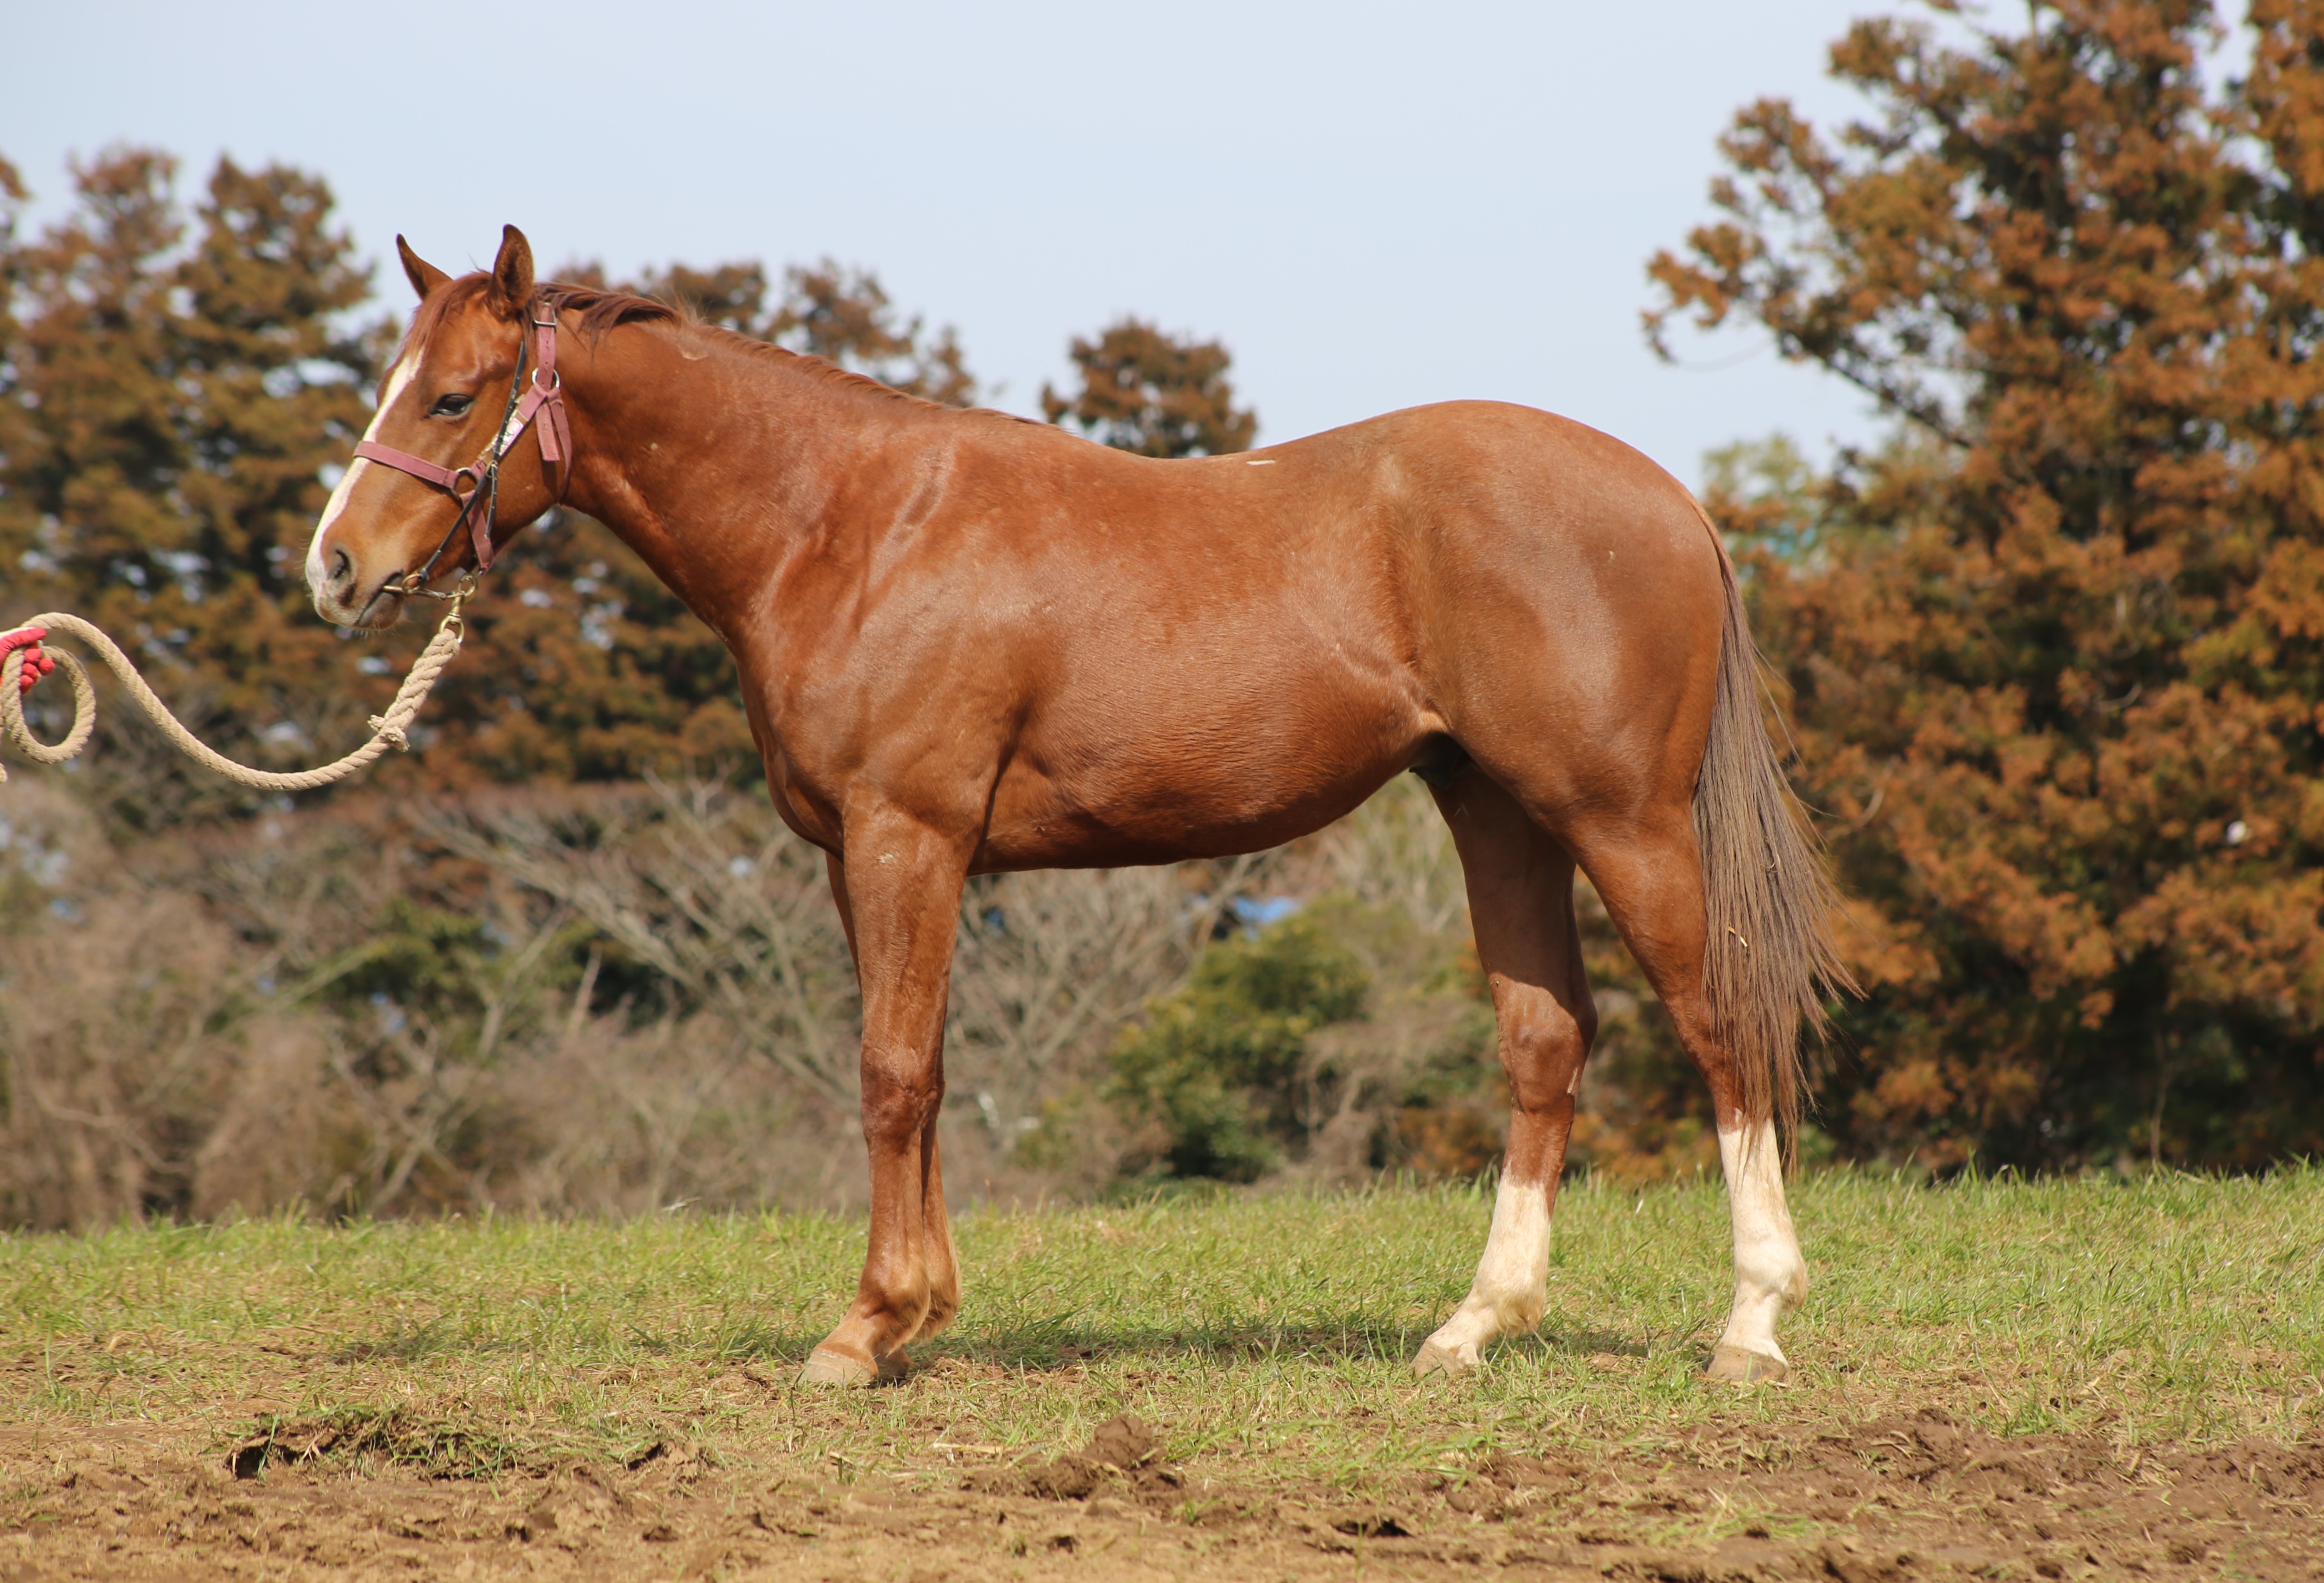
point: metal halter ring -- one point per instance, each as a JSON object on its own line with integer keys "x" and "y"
{"x": 413, "y": 586}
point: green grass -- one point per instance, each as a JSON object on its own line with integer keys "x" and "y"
{"x": 1262, "y": 1330}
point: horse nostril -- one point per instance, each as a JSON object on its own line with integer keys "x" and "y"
{"x": 342, "y": 570}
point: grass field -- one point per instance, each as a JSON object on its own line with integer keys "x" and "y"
{"x": 2154, "y": 1327}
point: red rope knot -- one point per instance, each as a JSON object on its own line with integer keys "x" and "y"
{"x": 36, "y": 664}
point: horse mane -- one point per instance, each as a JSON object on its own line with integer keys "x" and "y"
{"x": 434, "y": 309}
{"x": 831, "y": 372}
{"x": 602, "y": 310}
{"x": 822, "y": 368}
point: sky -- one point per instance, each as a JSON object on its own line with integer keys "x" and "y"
{"x": 1373, "y": 207}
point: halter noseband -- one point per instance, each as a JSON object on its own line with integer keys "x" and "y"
{"x": 543, "y": 397}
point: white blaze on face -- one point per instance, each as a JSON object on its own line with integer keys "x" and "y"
{"x": 397, "y": 382}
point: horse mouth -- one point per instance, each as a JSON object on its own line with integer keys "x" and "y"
{"x": 381, "y": 610}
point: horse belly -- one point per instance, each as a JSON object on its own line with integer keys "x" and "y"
{"x": 1198, "y": 766}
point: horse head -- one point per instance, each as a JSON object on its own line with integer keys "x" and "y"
{"x": 432, "y": 486}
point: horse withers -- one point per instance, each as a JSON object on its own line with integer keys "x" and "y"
{"x": 970, "y": 643}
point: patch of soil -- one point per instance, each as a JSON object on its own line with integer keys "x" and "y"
{"x": 1124, "y": 1454}
{"x": 1885, "y": 1501}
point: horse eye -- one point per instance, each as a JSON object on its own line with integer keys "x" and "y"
{"x": 451, "y": 406}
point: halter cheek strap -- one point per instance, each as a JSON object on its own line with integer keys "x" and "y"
{"x": 544, "y": 398}
{"x": 540, "y": 398}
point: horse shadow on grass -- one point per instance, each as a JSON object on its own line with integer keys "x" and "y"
{"x": 1071, "y": 1341}
{"x": 1062, "y": 1341}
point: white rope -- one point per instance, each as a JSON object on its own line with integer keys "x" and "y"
{"x": 387, "y": 729}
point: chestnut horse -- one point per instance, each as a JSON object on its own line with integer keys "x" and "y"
{"x": 970, "y": 643}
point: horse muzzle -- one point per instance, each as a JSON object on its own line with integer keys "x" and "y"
{"x": 343, "y": 599}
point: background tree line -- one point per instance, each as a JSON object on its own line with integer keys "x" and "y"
{"x": 2049, "y": 653}
{"x": 2054, "y": 651}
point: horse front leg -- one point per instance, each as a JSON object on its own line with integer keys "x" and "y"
{"x": 900, "y": 887}
{"x": 943, "y": 1269}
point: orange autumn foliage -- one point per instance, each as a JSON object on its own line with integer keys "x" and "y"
{"x": 2055, "y": 653}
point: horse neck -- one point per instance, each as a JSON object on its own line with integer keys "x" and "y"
{"x": 717, "y": 461}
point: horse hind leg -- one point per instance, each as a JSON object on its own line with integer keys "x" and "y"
{"x": 1771, "y": 1278}
{"x": 1650, "y": 878}
{"x": 1520, "y": 885}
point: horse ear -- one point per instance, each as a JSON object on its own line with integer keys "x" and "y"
{"x": 512, "y": 270}
{"x": 425, "y": 277}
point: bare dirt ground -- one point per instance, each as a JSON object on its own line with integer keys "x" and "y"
{"x": 1894, "y": 1498}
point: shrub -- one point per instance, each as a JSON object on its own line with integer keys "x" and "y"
{"x": 1219, "y": 1071}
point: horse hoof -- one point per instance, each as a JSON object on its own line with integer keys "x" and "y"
{"x": 1436, "y": 1359}
{"x": 894, "y": 1369}
{"x": 827, "y": 1367}
{"x": 1732, "y": 1366}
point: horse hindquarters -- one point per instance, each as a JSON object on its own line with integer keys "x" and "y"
{"x": 1719, "y": 894}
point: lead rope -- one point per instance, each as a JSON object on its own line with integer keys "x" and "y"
{"x": 387, "y": 729}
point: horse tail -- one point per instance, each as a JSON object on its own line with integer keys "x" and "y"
{"x": 1770, "y": 962}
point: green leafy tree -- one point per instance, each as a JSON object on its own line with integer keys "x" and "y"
{"x": 2054, "y": 651}
{"x": 1155, "y": 394}
{"x": 1214, "y": 1074}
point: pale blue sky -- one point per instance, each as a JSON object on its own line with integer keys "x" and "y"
{"x": 1373, "y": 205}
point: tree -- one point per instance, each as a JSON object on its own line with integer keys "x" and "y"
{"x": 1154, "y": 394}
{"x": 1216, "y": 1072}
{"x": 2054, "y": 651}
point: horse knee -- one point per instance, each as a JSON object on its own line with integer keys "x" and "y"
{"x": 898, "y": 1107}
